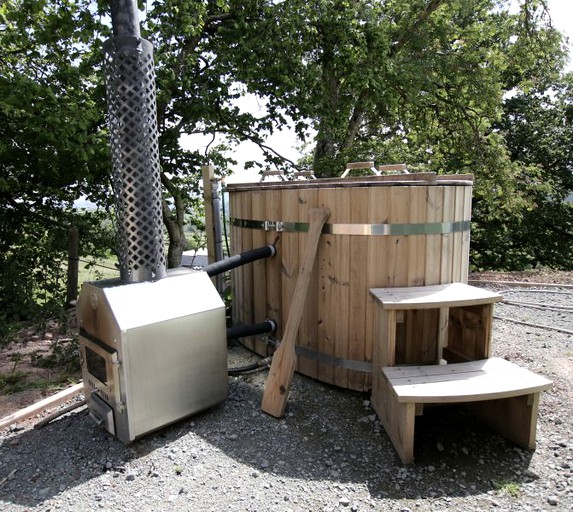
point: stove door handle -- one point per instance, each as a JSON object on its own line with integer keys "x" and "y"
{"x": 96, "y": 418}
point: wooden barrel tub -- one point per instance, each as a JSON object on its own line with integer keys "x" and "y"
{"x": 383, "y": 231}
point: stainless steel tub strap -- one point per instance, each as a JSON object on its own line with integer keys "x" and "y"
{"x": 427, "y": 228}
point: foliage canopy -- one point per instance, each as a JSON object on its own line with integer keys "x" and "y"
{"x": 444, "y": 86}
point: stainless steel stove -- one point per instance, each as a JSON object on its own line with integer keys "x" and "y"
{"x": 152, "y": 352}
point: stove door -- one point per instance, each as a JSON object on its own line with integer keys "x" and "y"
{"x": 100, "y": 371}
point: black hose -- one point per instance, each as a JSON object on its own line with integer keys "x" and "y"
{"x": 244, "y": 330}
{"x": 241, "y": 331}
{"x": 263, "y": 363}
{"x": 239, "y": 259}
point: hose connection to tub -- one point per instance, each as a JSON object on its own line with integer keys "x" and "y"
{"x": 240, "y": 331}
{"x": 245, "y": 330}
{"x": 238, "y": 260}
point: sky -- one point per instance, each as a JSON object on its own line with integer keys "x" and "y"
{"x": 285, "y": 142}
{"x": 561, "y": 12}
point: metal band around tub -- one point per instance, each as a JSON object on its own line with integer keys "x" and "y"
{"x": 427, "y": 228}
{"x": 347, "y": 364}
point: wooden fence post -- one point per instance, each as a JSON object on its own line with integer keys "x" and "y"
{"x": 73, "y": 265}
{"x": 212, "y": 220}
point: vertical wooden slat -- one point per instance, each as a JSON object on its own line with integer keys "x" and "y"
{"x": 308, "y": 330}
{"x": 289, "y": 251}
{"x": 389, "y": 346}
{"x": 273, "y": 204}
{"x": 408, "y": 349}
{"x": 417, "y": 336}
{"x": 235, "y": 207}
{"x": 433, "y": 263}
{"x": 340, "y": 283}
{"x": 326, "y": 293}
{"x": 458, "y": 237}
{"x": 247, "y": 270}
{"x": 485, "y": 333}
{"x": 378, "y": 328}
{"x": 260, "y": 313}
{"x": 358, "y": 288}
{"x": 377, "y": 267}
{"x": 397, "y": 254}
{"x": 428, "y": 335}
{"x": 447, "y": 238}
{"x": 416, "y": 244}
{"x": 398, "y": 245}
{"x": 466, "y": 235}
{"x": 442, "y": 332}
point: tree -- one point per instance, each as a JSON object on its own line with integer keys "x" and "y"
{"x": 426, "y": 82}
{"x": 52, "y": 144}
{"x": 197, "y": 92}
{"x": 421, "y": 82}
{"x": 54, "y": 109}
{"x": 537, "y": 127}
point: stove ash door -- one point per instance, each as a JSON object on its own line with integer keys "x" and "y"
{"x": 101, "y": 413}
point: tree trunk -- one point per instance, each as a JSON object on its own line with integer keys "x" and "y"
{"x": 325, "y": 150}
{"x": 174, "y": 221}
{"x": 356, "y": 120}
{"x": 176, "y": 235}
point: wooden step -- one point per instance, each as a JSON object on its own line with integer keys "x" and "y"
{"x": 487, "y": 379}
{"x": 435, "y": 296}
{"x": 498, "y": 392}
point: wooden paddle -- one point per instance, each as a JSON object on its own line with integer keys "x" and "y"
{"x": 281, "y": 372}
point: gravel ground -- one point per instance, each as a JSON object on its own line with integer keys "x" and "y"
{"x": 329, "y": 453}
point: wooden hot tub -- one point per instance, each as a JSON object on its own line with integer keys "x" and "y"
{"x": 383, "y": 231}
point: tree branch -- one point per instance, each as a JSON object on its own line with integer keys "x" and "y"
{"x": 406, "y": 35}
{"x": 265, "y": 148}
{"x": 356, "y": 119}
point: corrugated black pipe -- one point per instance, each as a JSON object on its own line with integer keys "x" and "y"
{"x": 241, "y": 331}
{"x": 244, "y": 330}
{"x": 239, "y": 259}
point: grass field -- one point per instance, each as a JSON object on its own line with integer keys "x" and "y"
{"x": 101, "y": 269}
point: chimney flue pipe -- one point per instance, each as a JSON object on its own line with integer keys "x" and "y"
{"x": 124, "y": 18}
{"x": 132, "y": 117}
